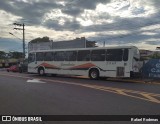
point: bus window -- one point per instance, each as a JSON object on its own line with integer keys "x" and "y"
{"x": 48, "y": 56}
{"x": 125, "y": 55}
{"x": 31, "y": 57}
{"x": 39, "y": 56}
{"x": 71, "y": 56}
{"x": 98, "y": 55}
{"x": 59, "y": 56}
{"x": 83, "y": 55}
{"x": 114, "y": 55}
{"x": 136, "y": 55}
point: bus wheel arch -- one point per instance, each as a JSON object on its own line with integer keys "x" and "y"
{"x": 41, "y": 71}
{"x": 94, "y": 73}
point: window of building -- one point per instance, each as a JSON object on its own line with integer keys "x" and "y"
{"x": 83, "y": 55}
{"x": 98, "y": 55}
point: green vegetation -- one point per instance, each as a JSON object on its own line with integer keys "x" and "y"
{"x": 44, "y": 39}
{"x": 11, "y": 55}
{"x": 11, "y": 58}
{"x": 156, "y": 55}
{"x": 2, "y": 55}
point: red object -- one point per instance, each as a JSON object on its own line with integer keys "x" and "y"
{"x": 13, "y": 68}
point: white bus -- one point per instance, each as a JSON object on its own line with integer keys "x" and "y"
{"x": 93, "y": 62}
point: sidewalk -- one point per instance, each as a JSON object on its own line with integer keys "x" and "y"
{"x": 3, "y": 69}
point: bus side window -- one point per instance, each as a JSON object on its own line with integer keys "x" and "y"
{"x": 98, "y": 55}
{"x": 31, "y": 57}
{"x": 71, "y": 56}
{"x": 48, "y": 56}
{"x": 83, "y": 55}
{"x": 114, "y": 54}
{"x": 59, "y": 56}
{"x": 125, "y": 55}
{"x": 40, "y": 56}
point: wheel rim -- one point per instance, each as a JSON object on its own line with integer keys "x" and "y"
{"x": 94, "y": 74}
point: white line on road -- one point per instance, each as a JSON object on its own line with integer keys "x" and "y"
{"x": 35, "y": 81}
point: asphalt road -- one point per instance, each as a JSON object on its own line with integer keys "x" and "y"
{"x": 31, "y": 94}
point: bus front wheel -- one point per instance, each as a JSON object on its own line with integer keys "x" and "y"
{"x": 94, "y": 74}
{"x": 41, "y": 71}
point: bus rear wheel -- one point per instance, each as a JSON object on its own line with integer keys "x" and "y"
{"x": 94, "y": 74}
{"x": 41, "y": 72}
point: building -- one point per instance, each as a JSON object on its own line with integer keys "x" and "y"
{"x": 46, "y": 44}
{"x": 147, "y": 54}
{"x": 75, "y": 43}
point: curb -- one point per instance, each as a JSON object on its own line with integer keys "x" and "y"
{"x": 149, "y": 81}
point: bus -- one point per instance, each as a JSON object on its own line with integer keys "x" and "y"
{"x": 92, "y": 62}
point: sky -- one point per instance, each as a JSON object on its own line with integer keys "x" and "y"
{"x": 115, "y": 22}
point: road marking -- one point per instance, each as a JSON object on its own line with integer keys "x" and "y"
{"x": 152, "y": 97}
{"x": 35, "y": 81}
{"x": 143, "y": 95}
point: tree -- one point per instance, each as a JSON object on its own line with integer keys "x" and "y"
{"x": 44, "y": 39}
{"x": 15, "y": 55}
{"x": 2, "y": 55}
{"x": 156, "y": 55}
{"x": 91, "y": 43}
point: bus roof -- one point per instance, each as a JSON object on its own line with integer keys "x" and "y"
{"x": 88, "y": 48}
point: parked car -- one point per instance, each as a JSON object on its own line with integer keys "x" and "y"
{"x": 13, "y": 68}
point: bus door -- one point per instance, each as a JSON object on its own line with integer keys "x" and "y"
{"x": 126, "y": 62}
{"x": 32, "y": 62}
{"x": 114, "y": 63}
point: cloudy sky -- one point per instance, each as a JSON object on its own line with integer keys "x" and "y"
{"x": 117, "y": 22}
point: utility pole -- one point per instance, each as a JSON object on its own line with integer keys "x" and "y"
{"x": 23, "y": 35}
{"x": 104, "y": 43}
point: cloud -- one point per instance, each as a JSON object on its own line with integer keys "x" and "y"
{"x": 152, "y": 42}
{"x": 113, "y": 21}
{"x": 33, "y": 11}
{"x": 69, "y": 25}
{"x": 76, "y": 7}
{"x": 30, "y": 11}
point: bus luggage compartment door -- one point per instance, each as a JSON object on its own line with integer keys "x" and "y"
{"x": 120, "y": 71}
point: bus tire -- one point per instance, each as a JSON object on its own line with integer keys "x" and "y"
{"x": 94, "y": 74}
{"x": 41, "y": 71}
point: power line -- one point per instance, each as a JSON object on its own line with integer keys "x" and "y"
{"x": 14, "y": 35}
{"x": 18, "y": 24}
